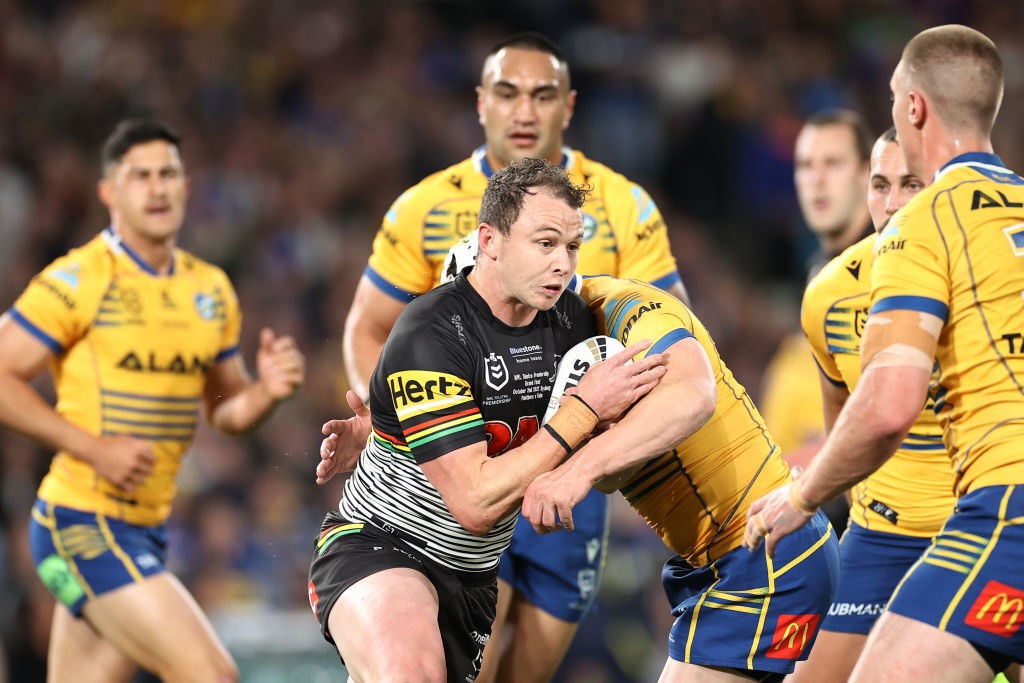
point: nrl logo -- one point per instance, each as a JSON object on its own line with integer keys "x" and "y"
{"x": 496, "y": 371}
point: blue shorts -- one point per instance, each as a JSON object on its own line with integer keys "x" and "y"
{"x": 970, "y": 581}
{"x": 750, "y": 612}
{"x": 80, "y": 555}
{"x": 560, "y": 572}
{"x": 872, "y": 563}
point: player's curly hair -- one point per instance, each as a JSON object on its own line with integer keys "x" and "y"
{"x": 507, "y": 189}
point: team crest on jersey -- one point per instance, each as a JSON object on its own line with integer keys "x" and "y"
{"x": 496, "y": 371}
{"x": 1015, "y": 233}
{"x": 206, "y": 306}
{"x": 465, "y": 222}
{"x": 589, "y": 227}
{"x": 860, "y": 319}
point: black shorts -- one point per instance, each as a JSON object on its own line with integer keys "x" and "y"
{"x": 346, "y": 552}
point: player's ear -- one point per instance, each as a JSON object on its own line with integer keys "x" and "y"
{"x": 486, "y": 236}
{"x": 917, "y": 111}
{"x": 570, "y": 107}
{"x": 105, "y": 191}
{"x": 480, "y": 104}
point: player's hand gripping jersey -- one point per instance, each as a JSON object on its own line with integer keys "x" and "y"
{"x": 132, "y": 350}
{"x": 624, "y": 233}
{"x": 691, "y": 496}
{"x": 956, "y": 251}
{"x": 452, "y": 375}
{"x": 912, "y": 493}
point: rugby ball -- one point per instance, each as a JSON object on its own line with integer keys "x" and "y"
{"x": 576, "y": 362}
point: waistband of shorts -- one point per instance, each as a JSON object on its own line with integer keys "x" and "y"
{"x": 417, "y": 546}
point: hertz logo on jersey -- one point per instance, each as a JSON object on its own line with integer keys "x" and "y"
{"x": 414, "y": 387}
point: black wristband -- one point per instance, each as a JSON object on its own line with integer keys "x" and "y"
{"x": 580, "y": 399}
{"x": 558, "y": 437}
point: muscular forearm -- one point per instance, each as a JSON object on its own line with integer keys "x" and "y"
{"x": 647, "y": 430}
{"x": 24, "y": 411}
{"x": 481, "y": 491}
{"x": 361, "y": 348}
{"x": 867, "y": 432}
{"x": 361, "y": 351}
{"x": 243, "y": 411}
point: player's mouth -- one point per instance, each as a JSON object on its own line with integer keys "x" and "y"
{"x": 158, "y": 209}
{"x": 523, "y": 139}
{"x": 553, "y": 290}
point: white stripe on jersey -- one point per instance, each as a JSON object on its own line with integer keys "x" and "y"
{"x": 394, "y": 489}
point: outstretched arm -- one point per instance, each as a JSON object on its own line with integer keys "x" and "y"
{"x": 898, "y": 355}
{"x": 235, "y": 403}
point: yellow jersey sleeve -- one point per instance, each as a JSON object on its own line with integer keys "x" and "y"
{"x": 956, "y": 251}
{"x": 59, "y": 303}
{"x": 224, "y": 292}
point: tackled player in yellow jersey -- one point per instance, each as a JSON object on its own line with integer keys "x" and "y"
{"x": 690, "y": 458}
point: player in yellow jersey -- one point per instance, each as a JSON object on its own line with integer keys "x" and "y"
{"x": 140, "y": 337}
{"x": 895, "y": 512}
{"x": 525, "y": 103}
{"x": 945, "y": 297}
{"x": 690, "y": 458}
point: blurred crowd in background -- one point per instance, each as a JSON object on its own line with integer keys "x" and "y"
{"x": 303, "y": 121}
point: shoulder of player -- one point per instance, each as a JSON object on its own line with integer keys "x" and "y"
{"x": 438, "y": 304}
{"x": 448, "y": 181}
{"x": 187, "y": 263}
{"x": 83, "y": 263}
{"x": 845, "y": 271}
{"x": 597, "y": 175}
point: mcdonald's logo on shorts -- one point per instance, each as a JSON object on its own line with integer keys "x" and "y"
{"x": 999, "y": 610}
{"x": 793, "y": 633}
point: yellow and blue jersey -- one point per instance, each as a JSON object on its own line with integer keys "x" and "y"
{"x": 912, "y": 493}
{"x": 131, "y": 352}
{"x": 695, "y": 495}
{"x": 956, "y": 251}
{"x": 624, "y": 232}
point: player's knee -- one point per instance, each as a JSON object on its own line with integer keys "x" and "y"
{"x": 214, "y": 670}
{"x": 408, "y": 672}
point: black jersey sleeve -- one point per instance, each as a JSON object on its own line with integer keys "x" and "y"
{"x": 422, "y": 398}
